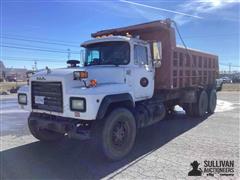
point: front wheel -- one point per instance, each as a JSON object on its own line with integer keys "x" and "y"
{"x": 118, "y": 134}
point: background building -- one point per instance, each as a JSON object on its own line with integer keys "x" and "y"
{"x": 2, "y": 71}
{"x": 12, "y": 74}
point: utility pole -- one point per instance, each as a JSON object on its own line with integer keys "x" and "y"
{"x": 35, "y": 65}
{"x": 69, "y": 54}
{"x": 16, "y": 79}
{"x": 230, "y": 66}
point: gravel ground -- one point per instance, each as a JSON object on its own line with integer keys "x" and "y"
{"x": 162, "y": 151}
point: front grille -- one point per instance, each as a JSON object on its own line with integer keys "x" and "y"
{"x": 50, "y": 94}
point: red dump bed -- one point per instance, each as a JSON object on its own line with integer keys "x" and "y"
{"x": 180, "y": 67}
{"x": 197, "y": 68}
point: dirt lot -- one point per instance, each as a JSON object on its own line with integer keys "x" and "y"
{"x": 231, "y": 87}
{"x": 6, "y": 86}
{"x": 162, "y": 151}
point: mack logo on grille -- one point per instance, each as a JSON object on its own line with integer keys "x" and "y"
{"x": 41, "y": 78}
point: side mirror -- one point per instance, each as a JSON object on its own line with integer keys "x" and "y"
{"x": 82, "y": 57}
{"x": 157, "y": 53}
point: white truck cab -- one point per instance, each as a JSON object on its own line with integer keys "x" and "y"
{"x": 116, "y": 64}
{"x": 117, "y": 71}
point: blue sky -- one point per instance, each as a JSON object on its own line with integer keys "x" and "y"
{"x": 61, "y": 25}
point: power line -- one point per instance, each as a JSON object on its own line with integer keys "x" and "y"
{"x": 224, "y": 64}
{"x": 68, "y": 43}
{"x": 211, "y": 36}
{"x": 12, "y": 58}
{"x": 36, "y": 49}
{"x": 40, "y": 38}
{"x": 30, "y": 58}
{"x": 38, "y": 41}
{"x": 37, "y": 60}
{"x": 29, "y": 46}
{"x": 230, "y": 55}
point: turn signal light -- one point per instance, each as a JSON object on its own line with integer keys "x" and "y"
{"x": 77, "y": 75}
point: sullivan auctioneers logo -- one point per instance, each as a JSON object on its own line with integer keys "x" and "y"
{"x": 211, "y": 168}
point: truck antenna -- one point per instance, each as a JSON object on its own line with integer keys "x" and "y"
{"x": 69, "y": 54}
{"x": 35, "y": 65}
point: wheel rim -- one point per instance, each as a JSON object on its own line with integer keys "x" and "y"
{"x": 119, "y": 134}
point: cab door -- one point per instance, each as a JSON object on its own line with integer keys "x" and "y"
{"x": 143, "y": 72}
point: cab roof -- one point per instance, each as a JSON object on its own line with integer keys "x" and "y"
{"x": 110, "y": 38}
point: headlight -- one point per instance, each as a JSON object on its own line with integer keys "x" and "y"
{"x": 22, "y": 98}
{"x": 77, "y": 104}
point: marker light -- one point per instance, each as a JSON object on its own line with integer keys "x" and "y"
{"x": 93, "y": 83}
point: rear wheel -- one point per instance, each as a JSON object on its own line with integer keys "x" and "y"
{"x": 200, "y": 108}
{"x": 43, "y": 134}
{"x": 118, "y": 134}
{"x": 212, "y": 102}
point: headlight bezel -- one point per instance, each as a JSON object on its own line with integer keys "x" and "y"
{"x": 20, "y": 102}
{"x": 76, "y": 99}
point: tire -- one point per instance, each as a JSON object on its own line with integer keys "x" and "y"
{"x": 42, "y": 134}
{"x": 198, "y": 109}
{"x": 118, "y": 134}
{"x": 212, "y": 101}
{"x": 201, "y": 107}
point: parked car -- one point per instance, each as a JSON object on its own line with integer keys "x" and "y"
{"x": 14, "y": 89}
{"x": 11, "y": 78}
{"x": 219, "y": 83}
{"x": 226, "y": 80}
{"x": 236, "y": 79}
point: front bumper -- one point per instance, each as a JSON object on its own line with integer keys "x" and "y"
{"x": 73, "y": 128}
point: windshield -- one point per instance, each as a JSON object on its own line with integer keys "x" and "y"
{"x": 107, "y": 53}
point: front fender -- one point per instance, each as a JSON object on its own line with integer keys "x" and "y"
{"x": 115, "y": 98}
{"x": 99, "y": 98}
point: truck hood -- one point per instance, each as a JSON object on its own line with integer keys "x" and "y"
{"x": 103, "y": 75}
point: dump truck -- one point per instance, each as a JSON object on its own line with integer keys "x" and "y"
{"x": 132, "y": 77}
